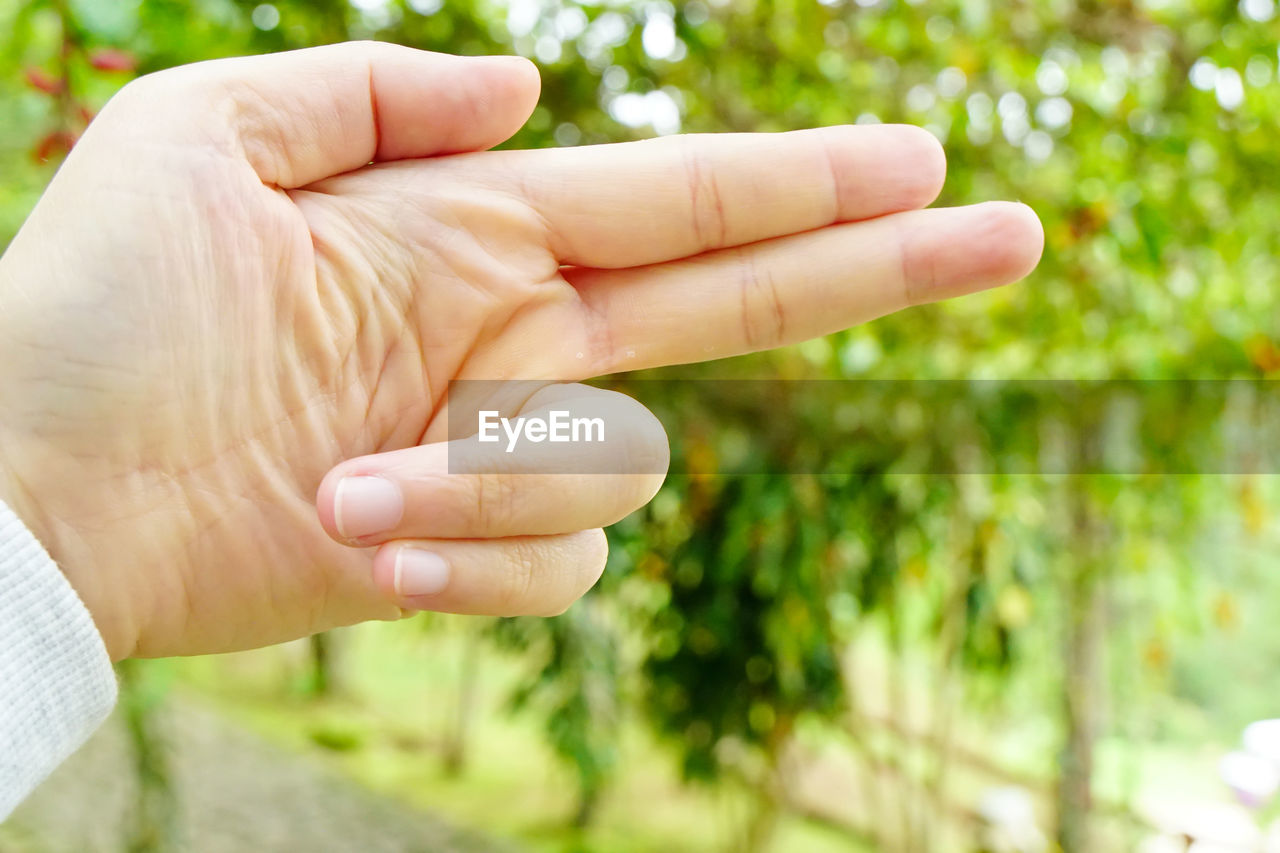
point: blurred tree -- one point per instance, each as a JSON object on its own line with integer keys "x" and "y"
{"x": 152, "y": 826}
{"x": 575, "y": 689}
{"x": 323, "y": 679}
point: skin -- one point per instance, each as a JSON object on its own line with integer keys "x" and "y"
{"x": 254, "y": 277}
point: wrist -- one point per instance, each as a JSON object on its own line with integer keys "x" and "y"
{"x": 66, "y": 547}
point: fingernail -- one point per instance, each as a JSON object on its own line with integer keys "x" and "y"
{"x": 365, "y": 505}
{"x": 420, "y": 572}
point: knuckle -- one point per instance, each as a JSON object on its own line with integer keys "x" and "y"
{"x": 577, "y": 572}
{"x": 707, "y": 213}
{"x": 133, "y": 96}
{"x": 136, "y": 89}
{"x": 918, "y": 272}
{"x": 163, "y": 102}
{"x": 169, "y": 84}
{"x": 494, "y": 499}
{"x": 764, "y": 319}
{"x": 516, "y": 592}
{"x": 596, "y": 554}
{"x": 545, "y": 576}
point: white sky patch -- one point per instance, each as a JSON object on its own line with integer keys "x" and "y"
{"x": 921, "y": 98}
{"x": 1011, "y": 105}
{"x": 1014, "y": 124}
{"x": 1054, "y": 113}
{"x": 1258, "y": 10}
{"x": 568, "y": 134}
{"x": 1112, "y": 91}
{"x": 939, "y": 28}
{"x": 659, "y": 36}
{"x": 1015, "y": 129}
{"x": 1115, "y": 62}
{"x": 615, "y": 78}
{"x": 1229, "y": 89}
{"x": 655, "y": 109}
{"x": 266, "y": 17}
{"x": 1203, "y": 74}
{"x": 1051, "y": 78}
{"x": 1038, "y": 146}
{"x": 547, "y": 49}
{"x": 980, "y": 106}
{"x": 1258, "y": 71}
{"x": 570, "y": 22}
{"x": 522, "y": 16}
{"x": 611, "y": 29}
{"x": 951, "y": 82}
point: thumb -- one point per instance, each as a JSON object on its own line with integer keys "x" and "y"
{"x": 309, "y": 114}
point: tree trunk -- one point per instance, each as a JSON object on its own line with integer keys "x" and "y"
{"x": 152, "y": 827}
{"x": 1082, "y": 671}
{"x": 324, "y": 680}
{"x": 457, "y": 739}
{"x": 588, "y": 801}
{"x": 770, "y": 789}
{"x": 763, "y": 823}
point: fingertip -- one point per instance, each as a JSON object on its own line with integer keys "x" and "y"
{"x": 412, "y": 574}
{"x": 950, "y": 252}
{"x": 359, "y": 502}
{"x": 523, "y": 68}
{"x": 887, "y": 168}
{"x": 1017, "y": 236}
{"x": 595, "y": 543}
{"x": 926, "y": 161}
{"x": 518, "y": 82}
{"x": 646, "y": 449}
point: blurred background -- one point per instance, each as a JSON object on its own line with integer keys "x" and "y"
{"x": 870, "y": 659}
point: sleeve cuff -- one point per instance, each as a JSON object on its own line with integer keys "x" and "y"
{"x": 56, "y": 681}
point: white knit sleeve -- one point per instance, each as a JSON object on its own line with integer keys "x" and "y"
{"x": 56, "y": 681}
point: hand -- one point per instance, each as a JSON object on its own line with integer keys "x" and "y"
{"x": 218, "y": 300}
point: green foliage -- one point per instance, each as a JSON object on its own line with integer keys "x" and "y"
{"x": 576, "y": 691}
{"x": 1143, "y": 135}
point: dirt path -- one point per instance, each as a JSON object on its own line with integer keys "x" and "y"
{"x": 252, "y": 796}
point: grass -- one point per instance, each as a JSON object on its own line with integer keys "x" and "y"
{"x": 388, "y": 727}
{"x": 399, "y": 701}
